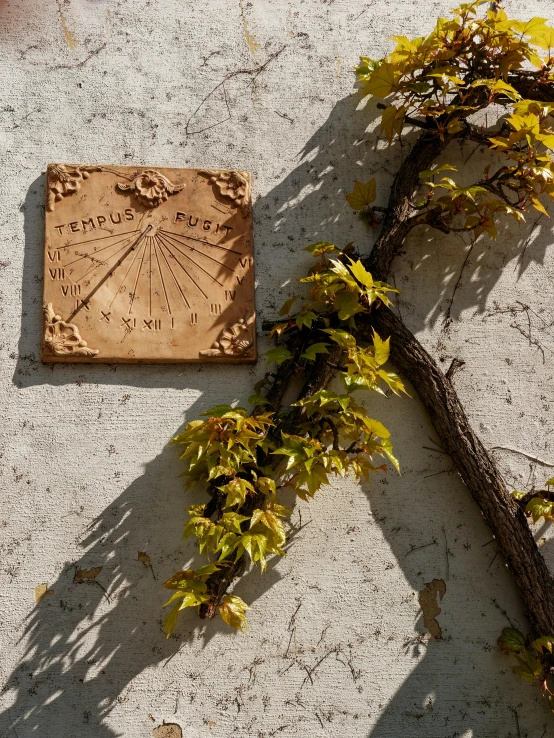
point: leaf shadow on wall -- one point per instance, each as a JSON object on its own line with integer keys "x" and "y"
{"x": 83, "y": 651}
{"x": 86, "y": 642}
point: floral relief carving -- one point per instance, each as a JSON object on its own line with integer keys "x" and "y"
{"x": 235, "y": 341}
{"x": 233, "y": 185}
{"x": 64, "y": 181}
{"x": 63, "y": 339}
{"x": 151, "y": 188}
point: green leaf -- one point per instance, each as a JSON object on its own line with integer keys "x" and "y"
{"x": 312, "y": 478}
{"x": 255, "y": 544}
{"x": 549, "y": 481}
{"x": 361, "y": 273}
{"x": 258, "y": 400}
{"x": 362, "y": 195}
{"x": 271, "y": 521}
{"x": 236, "y": 491}
{"x": 387, "y": 448}
{"x": 393, "y": 381}
{"x": 305, "y": 317}
{"x": 344, "y": 339}
{"x": 537, "y": 508}
{"x": 266, "y": 485}
{"x": 382, "y": 349}
{"x": 518, "y": 494}
{"x": 232, "y": 609}
{"x": 511, "y": 640}
{"x": 227, "y": 545}
{"x": 426, "y": 173}
{"x": 278, "y": 355}
{"x": 206, "y": 570}
{"x": 529, "y": 669}
{"x": 316, "y": 348}
{"x": 218, "y": 411}
{"x": 170, "y": 620}
{"x": 285, "y": 310}
{"x": 382, "y": 80}
{"x": 231, "y": 521}
{"x": 537, "y": 204}
{"x": 376, "y": 427}
{"x": 543, "y": 643}
{"x": 322, "y": 247}
{"x": 180, "y": 579}
{"x": 347, "y": 304}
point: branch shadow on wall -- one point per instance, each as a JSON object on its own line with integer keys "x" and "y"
{"x": 85, "y": 643}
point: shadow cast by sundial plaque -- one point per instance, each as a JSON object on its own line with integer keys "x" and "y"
{"x": 148, "y": 266}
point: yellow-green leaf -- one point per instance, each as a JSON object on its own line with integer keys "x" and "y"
{"x": 382, "y": 80}
{"x": 232, "y": 609}
{"x": 382, "y": 349}
{"x": 316, "y": 348}
{"x": 362, "y": 195}
{"x": 278, "y": 355}
{"x": 537, "y": 204}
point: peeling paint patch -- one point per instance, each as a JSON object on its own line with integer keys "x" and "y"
{"x": 168, "y": 730}
{"x": 253, "y": 46}
{"x": 69, "y": 36}
{"x": 429, "y": 598}
{"x": 41, "y": 591}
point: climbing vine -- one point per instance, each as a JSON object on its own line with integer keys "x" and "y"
{"x": 246, "y": 460}
{"x": 474, "y": 66}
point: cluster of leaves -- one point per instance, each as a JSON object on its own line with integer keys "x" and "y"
{"x": 534, "y": 662}
{"x": 534, "y": 658}
{"x": 538, "y": 503}
{"x": 245, "y": 461}
{"x": 460, "y": 68}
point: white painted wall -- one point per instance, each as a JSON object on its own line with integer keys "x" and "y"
{"x": 87, "y": 480}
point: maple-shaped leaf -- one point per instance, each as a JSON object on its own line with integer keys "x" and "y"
{"x": 362, "y": 195}
{"x": 382, "y": 80}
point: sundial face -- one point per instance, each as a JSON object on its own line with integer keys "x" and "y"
{"x": 148, "y": 266}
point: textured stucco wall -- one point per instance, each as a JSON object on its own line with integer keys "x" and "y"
{"x": 86, "y": 478}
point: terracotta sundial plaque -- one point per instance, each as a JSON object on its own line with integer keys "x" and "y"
{"x": 147, "y": 265}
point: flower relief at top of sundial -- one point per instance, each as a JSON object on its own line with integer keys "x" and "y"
{"x": 148, "y": 265}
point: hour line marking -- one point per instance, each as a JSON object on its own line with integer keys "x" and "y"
{"x": 166, "y": 247}
{"x": 102, "y": 238}
{"x": 201, "y": 240}
{"x": 118, "y": 290}
{"x": 156, "y": 238}
{"x": 104, "y": 263}
{"x": 150, "y": 270}
{"x": 91, "y": 256}
{"x": 198, "y": 266}
{"x": 132, "y": 247}
{"x": 134, "y": 292}
{"x": 161, "y": 275}
{"x": 200, "y": 253}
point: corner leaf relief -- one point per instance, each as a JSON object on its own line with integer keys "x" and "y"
{"x": 237, "y": 340}
{"x": 151, "y": 188}
{"x": 64, "y": 181}
{"x": 61, "y": 338}
{"x": 232, "y": 185}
